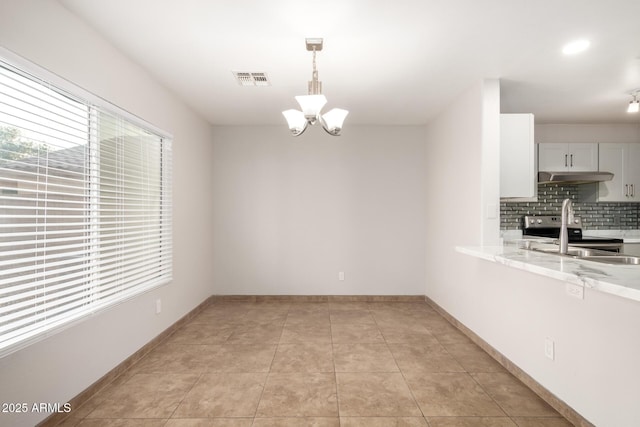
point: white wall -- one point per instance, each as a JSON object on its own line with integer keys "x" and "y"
{"x": 597, "y": 339}
{"x": 455, "y": 215}
{"x": 58, "y": 368}
{"x": 458, "y": 170}
{"x": 290, "y": 213}
{"x": 587, "y": 133}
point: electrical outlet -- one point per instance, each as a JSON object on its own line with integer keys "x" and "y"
{"x": 341, "y": 275}
{"x": 158, "y": 306}
{"x": 575, "y": 291}
{"x": 549, "y": 348}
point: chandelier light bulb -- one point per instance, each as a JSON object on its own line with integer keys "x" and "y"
{"x": 296, "y": 121}
{"x": 333, "y": 120}
{"x": 311, "y": 105}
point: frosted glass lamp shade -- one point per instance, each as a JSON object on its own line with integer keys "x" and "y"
{"x": 334, "y": 119}
{"x": 311, "y": 105}
{"x": 634, "y": 107}
{"x": 296, "y": 121}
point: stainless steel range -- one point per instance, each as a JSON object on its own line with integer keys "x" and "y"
{"x": 549, "y": 227}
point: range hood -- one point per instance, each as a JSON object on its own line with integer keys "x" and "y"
{"x": 545, "y": 177}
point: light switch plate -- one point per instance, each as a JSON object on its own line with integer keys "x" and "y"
{"x": 549, "y": 348}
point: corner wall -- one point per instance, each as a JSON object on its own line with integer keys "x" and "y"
{"x": 291, "y": 213}
{"x": 597, "y": 340}
{"x": 58, "y": 368}
{"x": 459, "y": 160}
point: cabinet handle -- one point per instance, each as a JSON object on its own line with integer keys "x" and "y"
{"x": 565, "y": 160}
{"x": 633, "y": 191}
{"x": 572, "y": 160}
{"x": 626, "y": 190}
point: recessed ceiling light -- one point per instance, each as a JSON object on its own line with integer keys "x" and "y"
{"x": 576, "y": 46}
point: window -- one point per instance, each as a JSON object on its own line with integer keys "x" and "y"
{"x": 85, "y": 206}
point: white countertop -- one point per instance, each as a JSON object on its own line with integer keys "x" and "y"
{"x": 621, "y": 280}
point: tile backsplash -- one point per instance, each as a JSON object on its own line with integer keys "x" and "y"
{"x": 595, "y": 216}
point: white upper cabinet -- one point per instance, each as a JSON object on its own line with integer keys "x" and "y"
{"x": 554, "y": 157}
{"x": 517, "y": 156}
{"x": 623, "y": 160}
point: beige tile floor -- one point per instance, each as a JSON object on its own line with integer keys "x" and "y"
{"x": 317, "y": 364}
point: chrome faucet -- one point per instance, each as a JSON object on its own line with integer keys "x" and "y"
{"x": 567, "y": 217}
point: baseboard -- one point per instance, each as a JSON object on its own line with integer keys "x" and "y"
{"x": 319, "y": 298}
{"x": 556, "y": 403}
{"x": 109, "y": 377}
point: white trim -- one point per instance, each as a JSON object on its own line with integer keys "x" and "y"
{"x": 62, "y": 83}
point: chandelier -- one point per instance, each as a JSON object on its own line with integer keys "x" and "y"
{"x": 634, "y": 105}
{"x": 312, "y": 104}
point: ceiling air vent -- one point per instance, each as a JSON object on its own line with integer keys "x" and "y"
{"x": 251, "y": 79}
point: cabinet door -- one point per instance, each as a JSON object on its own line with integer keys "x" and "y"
{"x": 632, "y": 171}
{"x": 517, "y": 156}
{"x": 583, "y": 157}
{"x": 553, "y": 157}
{"x": 612, "y": 159}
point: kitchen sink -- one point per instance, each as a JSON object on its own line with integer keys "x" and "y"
{"x": 595, "y": 255}
{"x": 576, "y": 252}
{"x": 615, "y": 259}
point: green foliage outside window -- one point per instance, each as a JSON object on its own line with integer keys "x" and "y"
{"x": 14, "y": 147}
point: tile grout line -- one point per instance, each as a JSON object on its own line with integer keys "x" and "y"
{"x": 185, "y": 395}
{"x": 492, "y": 398}
{"x": 264, "y": 386}
{"x": 466, "y": 371}
{"x": 404, "y": 378}
{"x": 333, "y": 360}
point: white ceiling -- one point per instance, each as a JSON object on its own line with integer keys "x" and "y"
{"x": 388, "y": 62}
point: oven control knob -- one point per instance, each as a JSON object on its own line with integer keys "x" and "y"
{"x": 539, "y": 221}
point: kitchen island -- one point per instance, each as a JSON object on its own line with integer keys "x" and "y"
{"x": 620, "y": 280}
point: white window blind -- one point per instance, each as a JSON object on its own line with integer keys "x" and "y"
{"x": 85, "y": 208}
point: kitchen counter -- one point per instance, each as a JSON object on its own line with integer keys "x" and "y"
{"x": 620, "y": 280}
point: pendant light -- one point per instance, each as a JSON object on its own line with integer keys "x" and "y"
{"x": 312, "y": 103}
{"x": 634, "y": 106}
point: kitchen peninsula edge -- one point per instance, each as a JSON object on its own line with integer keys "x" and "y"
{"x": 620, "y": 280}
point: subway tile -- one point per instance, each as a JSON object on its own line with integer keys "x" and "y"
{"x": 600, "y": 216}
